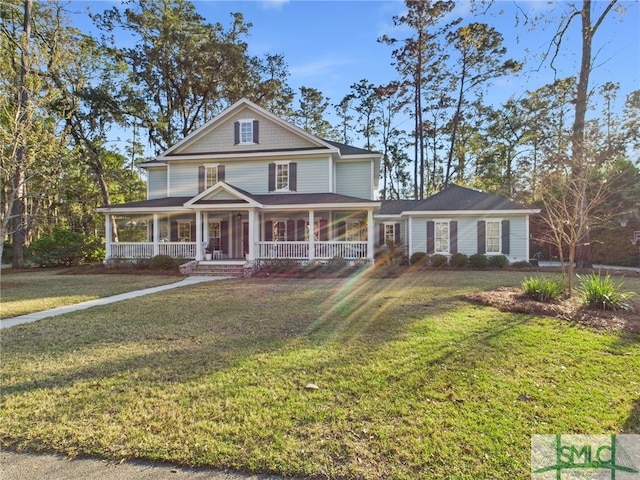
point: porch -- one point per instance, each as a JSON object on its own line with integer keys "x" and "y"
{"x": 249, "y": 235}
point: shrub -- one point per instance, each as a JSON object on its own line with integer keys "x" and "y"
{"x": 597, "y": 291}
{"x": 521, "y": 264}
{"x": 336, "y": 264}
{"x": 163, "y": 262}
{"x": 392, "y": 254}
{"x": 478, "y": 260}
{"x": 439, "y": 260}
{"x": 458, "y": 260}
{"x": 543, "y": 289}
{"x": 280, "y": 265}
{"x": 64, "y": 248}
{"x": 500, "y": 261}
{"x": 419, "y": 258}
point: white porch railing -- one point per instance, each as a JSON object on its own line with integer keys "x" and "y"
{"x": 322, "y": 250}
{"x": 132, "y": 250}
{"x": 145, "y": 249}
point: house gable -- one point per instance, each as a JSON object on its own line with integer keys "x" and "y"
{"x": 266, "y": 132}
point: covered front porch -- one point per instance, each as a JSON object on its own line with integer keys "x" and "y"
{"x": 248, "y": 235}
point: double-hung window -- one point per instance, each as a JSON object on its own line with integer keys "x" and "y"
{"x": 282, "y": 176}
{"x": 355, "y": 231}
{"x": 184, "y": 231}
{"x": 279, "y": 230}
{"x": 211, "y": 175}
{"x": 215, "y": 235}
{"x": 493, "y": 236}
{"x": 441, "y": 237}
{"x": 389, "y": 233}
{"x": 246, "y": 131}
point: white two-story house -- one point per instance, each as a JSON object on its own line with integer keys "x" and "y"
{"x": 249, "y": 186}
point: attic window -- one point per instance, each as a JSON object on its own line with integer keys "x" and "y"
{"x": 246, "y": 132}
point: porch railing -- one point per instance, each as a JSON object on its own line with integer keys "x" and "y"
{"x": 265, "y": 250}
{"x": 322, "y": 250}
{"x": 145, "y": 249}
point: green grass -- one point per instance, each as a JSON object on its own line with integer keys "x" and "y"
{"x": 414, "y": 381}
{"x": 29, "y": 291}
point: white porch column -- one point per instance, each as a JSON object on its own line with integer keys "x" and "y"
{"x": 108, "y": 235}
{"x": 312, "y": 235}
{"x": 156, "y": 234}
{"x": 252, "y": 234}
{"x": 371, "y": 233}
{"x": 199, "y": 255}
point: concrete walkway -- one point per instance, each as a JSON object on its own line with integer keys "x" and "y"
{"x": 31, "y": 466}
{"x": 33, "y": 317}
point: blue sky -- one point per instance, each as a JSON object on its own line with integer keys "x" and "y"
{"x": 331, "y": 44}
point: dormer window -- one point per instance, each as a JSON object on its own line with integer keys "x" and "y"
{"x": 246, "y": 132}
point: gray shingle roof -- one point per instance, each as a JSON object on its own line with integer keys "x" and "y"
{"x": 452, "y": 198}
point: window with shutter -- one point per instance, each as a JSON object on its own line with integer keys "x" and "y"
{"x": 245, "y": 132}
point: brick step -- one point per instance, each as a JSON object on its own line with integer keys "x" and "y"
{"x": 219, "y": 270}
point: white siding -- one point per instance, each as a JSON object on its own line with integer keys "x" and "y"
{"x": 354, "y": 179}
{"x": 156, "y": 183}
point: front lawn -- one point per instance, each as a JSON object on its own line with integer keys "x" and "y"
{"x": 34, "y": 290}
{"x": 413, "y": 381}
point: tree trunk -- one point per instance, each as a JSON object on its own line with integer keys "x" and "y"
{"x": 18, "y": 207}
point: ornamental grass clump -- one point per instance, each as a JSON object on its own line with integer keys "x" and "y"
{"x": 597, "y": 291}
{"x": 543, "y": 289}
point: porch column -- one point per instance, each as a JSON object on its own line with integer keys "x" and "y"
{"x": 156, "y": 234}
{"x": 199, "y": 235}
{"x": 108, "y": 235}
{"x": 252, "y": 234}
{"x": 371, "y": 245}
{"x": 312, "y": 236}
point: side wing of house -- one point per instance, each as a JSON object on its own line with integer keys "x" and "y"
{"x": 458, "y": 220}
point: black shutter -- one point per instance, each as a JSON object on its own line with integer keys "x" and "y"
{"x": 482, "y": 247}
{"x": 505, "y": 236}
{"x": 293, "y": 176}
{"x": 236, "y": 133}
{"x": 324, "y": 230}
{"x": 256, "y": 135}
{"x": 201, "y": 175}
{"x": 193, "y": 231}
{"x": 342, "y": 230}
{"x": 381, "y": 235}
{"x": 301, "y": 225}
{"x": 396, "y": 233}
{"x": 221, "y": 173}
{"x": 268, "y": 231}
{"x": 224, "y": 237}
{"x": 291, "y": 234}
{"x": 173, "y": 234}
{"x": 431, "y": 244}
{"x": 453, "y": 236}
{"x": 272, "y": 177}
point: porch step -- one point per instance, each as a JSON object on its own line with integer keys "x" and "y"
{"x": 219, "y": 270}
